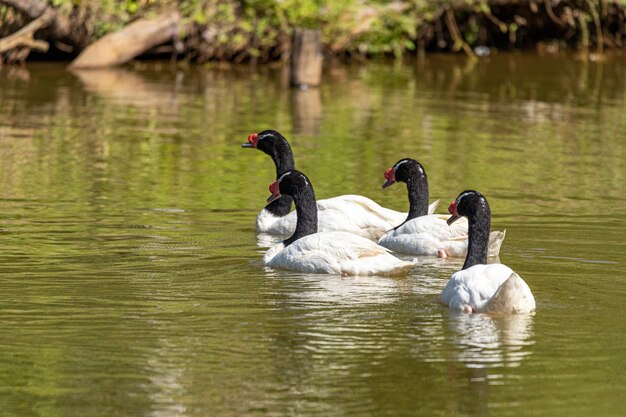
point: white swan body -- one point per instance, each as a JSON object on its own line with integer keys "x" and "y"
{"x": 335, "y": 253}
{"x": 430, "y": 235}
{"x": 427, "y": 235}
{"x": 488, "y": 288}
{"x": 349, "y": 213}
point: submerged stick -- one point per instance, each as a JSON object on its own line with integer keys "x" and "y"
{"x": 584, "y": 31}
{"x": 596, "y": 21}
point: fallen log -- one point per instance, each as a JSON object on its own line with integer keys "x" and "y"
{"x": 120, "y": 47}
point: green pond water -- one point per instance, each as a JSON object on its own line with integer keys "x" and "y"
{"x": 131, "y": 281}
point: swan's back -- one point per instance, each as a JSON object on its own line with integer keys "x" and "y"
{"x": 480, "y": 289}
{"x": 335, "y": 252}
{"x": 427, "y": 235}
{"x": 434, "y": 224}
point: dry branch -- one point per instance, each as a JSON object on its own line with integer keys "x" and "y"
{"x": 596, "y": 22}
{"x": 33, "y": 9}
{"x": 24, "y": 37}
{"x": 455, "y": 33}
{"x": 551, "y": 15}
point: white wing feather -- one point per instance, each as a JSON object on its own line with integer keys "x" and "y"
{"x": 428, "y": 235}
{"x": 335, "y": 252}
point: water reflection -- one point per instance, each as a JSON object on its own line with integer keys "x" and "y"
{"x": 264, "y": 240}
{"x": 134, "y": 310}
{"x": 321, "y": 289}
{"x": 130, "y": 87}
{"x": 306, "y": 111}
{"x": 167, "y": 380}
{"x": 485, "y": 341}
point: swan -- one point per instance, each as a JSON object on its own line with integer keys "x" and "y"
{"x": 336, "y": 252}
{"x": 478, "y": 287}
{"x": 422, "y": 233}
{"x": 351, "y": 213}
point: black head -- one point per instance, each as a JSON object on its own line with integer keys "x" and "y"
{"x": 276, "y": 146}
{"x": 291, "y": 183}
{"x": 268, "y": 141}
{"x": 474, "y": 206}
{"x": 467, "y": 204}
{"x": 404, "y": 170}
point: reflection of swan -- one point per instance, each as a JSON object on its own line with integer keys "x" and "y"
{"x": 168, "y": 383}
{"x": 489, "y": 341}
{"x": 264, "y": 240}
{"x": 346, "y": 291}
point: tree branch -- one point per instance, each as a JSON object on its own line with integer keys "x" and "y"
{"x": 24, "y": 36}
{"x": 459, "y": 43}
{"x": 34, "y": 9}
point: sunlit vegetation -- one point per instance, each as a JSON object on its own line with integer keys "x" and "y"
{"x": 244, "y": 30}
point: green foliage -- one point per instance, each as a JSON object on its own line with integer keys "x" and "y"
{"x": 356, "y": 26}
{"x": 240, "y": 29}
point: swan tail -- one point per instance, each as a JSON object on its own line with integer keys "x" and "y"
{"x": 495, "y": 242}
{"x": 433, "y": 207}
{"x": 513, "y": 297}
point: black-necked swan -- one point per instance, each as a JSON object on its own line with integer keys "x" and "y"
{"x": 351, "y": 213}
{"x": 480, "y": 287}
{"x": 422, "y": 233}
{"x": 337, "y": 252}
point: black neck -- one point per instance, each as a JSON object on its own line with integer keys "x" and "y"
{"x": 283, "y": 159}
{"x": 306, "y": 210}
{"x": 418, "y": 196}
{"x": 479, "y": 226}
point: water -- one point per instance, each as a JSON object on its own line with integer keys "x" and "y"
{"x": 132, "y": 283}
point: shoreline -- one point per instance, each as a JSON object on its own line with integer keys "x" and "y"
{"x": 350, "y": 30}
